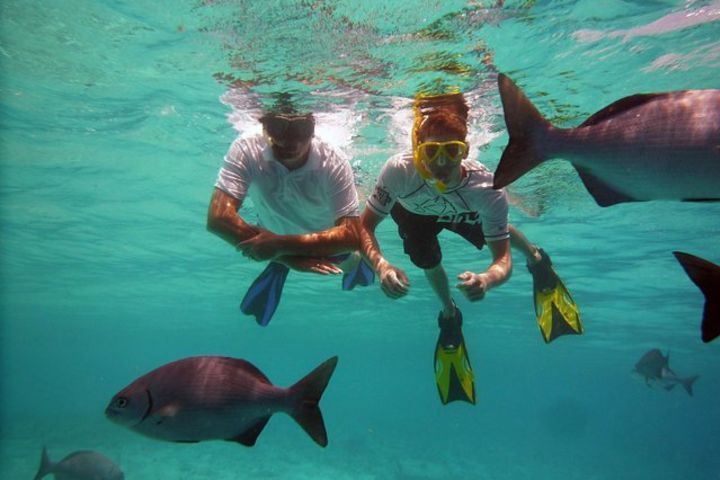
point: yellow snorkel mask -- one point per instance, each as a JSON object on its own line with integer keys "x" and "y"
{"x": 429, "y": 154}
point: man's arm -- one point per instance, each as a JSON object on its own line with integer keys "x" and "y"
{"x": 224, "y": 220}
{"x": 342, "y": 238}
{"x": 475, "y": 285}
{"x": 393, "y": 281}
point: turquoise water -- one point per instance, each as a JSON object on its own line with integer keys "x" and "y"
{"x": 114, "y": 120}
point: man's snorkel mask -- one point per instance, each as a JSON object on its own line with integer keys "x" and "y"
{"x": 288, "y": 127}
{"x": 441, "y": 153}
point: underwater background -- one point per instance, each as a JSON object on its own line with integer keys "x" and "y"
{"x": 114, "y": 119}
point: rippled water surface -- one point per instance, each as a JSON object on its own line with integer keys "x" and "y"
{"x": 114, "y": 118}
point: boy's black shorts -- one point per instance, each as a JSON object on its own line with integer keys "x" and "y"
{"x": 419, "y": 234}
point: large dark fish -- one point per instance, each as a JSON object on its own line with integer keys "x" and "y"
{"x": 217, "y": 398}
{"x": 81, "y": 465}
{"x": 655, "y": 369}
{"x": 706, "y": 275}
{"x": 644, "y": 147}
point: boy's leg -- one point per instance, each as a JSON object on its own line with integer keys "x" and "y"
{"x": 519, "y": 241}
{"x": 420, "y": 243}
{"x": 438, "y": 280}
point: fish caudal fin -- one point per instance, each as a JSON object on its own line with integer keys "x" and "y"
{"x": 46, "y": 465}
{"x": 524, "y": 122}
{"x": 706, "y": 275}
{"x": 688, "y": 383}
{"x": 307, "y": 393}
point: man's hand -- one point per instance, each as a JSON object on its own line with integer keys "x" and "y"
{"x": 321, "y": 266}
{"x": 263, "y": 246}
{"x": 393, "y": 281}
{"x": 473, "y": 285}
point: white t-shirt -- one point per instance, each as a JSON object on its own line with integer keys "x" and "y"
{"x": 473, "y": 201}
{"x": 308, "y": 199}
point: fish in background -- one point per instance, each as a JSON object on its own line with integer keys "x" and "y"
{"x": 706, "y": 275}
{"x": 217, "y": 398}
{"x": 655, "y": 369}
{"x": 668, "y": 23}
{"x": 81, "y": 465}
{"x": 643, "y": 147}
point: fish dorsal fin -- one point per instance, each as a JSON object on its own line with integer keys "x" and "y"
{"x": 249, "y": 436}
{"x": 621, "y": 105}
{"x": 604, "y": 194}
{"x": 247, "y": 367}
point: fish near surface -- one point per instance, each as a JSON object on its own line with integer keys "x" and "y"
{"x": 706, "y": 275}
{"x": 217, "y": 398}
{"x": 655, "y": 369}
{"x": 643, "y": 147}
{"x": 81, "y": 465}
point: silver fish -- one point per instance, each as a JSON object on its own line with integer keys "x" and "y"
{"x": 706, "y": 275}
{"x": 217, "y": 398}
{"x": 81, "y": 465}
{"x": 655, "y": 369}
{"x": 644, "y": 147}
{"x": 669, "y": 23}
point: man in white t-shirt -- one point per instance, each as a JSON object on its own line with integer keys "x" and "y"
{"x": 436, "y": 187}
{"x": 304, "y": 195}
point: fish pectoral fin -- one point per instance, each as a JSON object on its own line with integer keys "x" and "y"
{"x": 604, "y": 194}
{"x": 249, "y": 436}
{"x": 169, "y": 410}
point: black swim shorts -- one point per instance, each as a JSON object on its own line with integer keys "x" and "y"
{"x": 419, "y": 234}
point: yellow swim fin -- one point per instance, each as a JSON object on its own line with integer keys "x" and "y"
{"x": 557, "y": 313}
{"x": 453, "y": 372}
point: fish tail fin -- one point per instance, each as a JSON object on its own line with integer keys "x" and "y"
{"x": 524, "y": 122}
{"x": 45, "y": 465}
{"x": 706, "y": 275}
{"x": 307, "y": 393}
{"x": 688, "y": 384}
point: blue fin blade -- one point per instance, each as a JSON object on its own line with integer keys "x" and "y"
{"x": 263, "y": 296}
{"x": 362, "y": 275}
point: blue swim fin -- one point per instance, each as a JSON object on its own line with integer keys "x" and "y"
{"x": 263, "y": 296}
{"x": 362, "y": 275}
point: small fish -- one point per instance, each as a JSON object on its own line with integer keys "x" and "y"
{"x": 669, "y": 23}
{"x": 217, "y": 398}
{"x": 706, "y": 275}
{"x": 81, "y": 465}
{"x": 655, "y": 369}
{"x": 643, "y": 147}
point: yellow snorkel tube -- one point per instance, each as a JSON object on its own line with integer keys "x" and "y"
{"x": 425, "y": 101}
{"x": 417, "y": 161}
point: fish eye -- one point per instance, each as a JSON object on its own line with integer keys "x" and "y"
{"x": 121, "y": 402}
